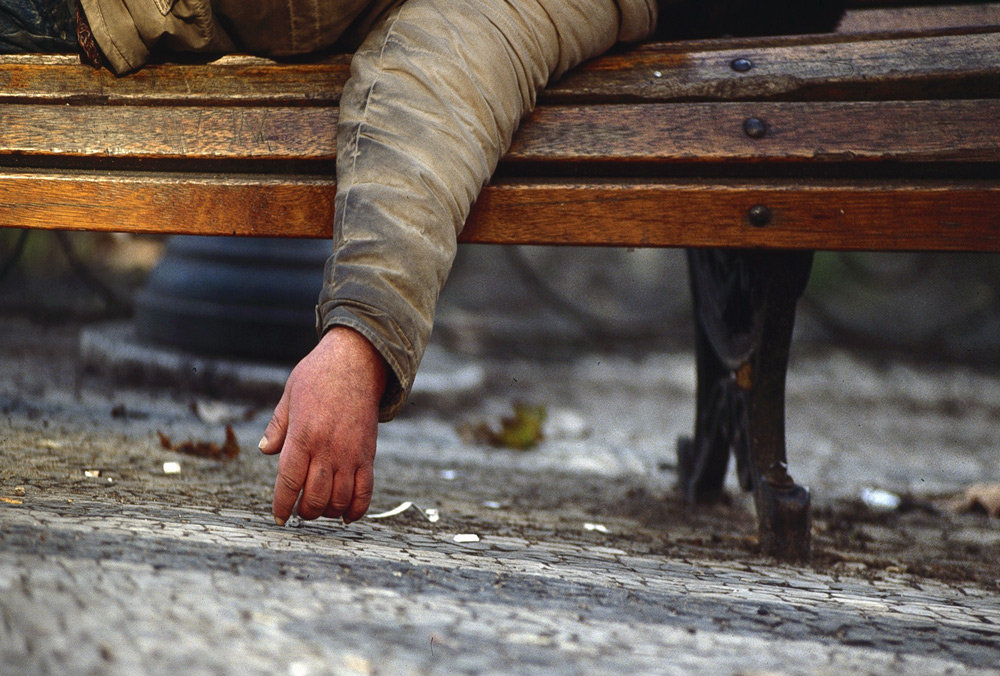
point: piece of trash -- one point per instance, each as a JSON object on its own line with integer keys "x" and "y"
{"x": 980, "y": 497}
{"x": 204, "y": 449}
{"x": 430, "y": 514}
{"x": 392, "y": 512}
{"x": 520, "y": 431}
{"x": 92, "y": 473}
{"x": 19, "y": 491}
{"x": 466, "y": 537}
{"x": 449, "y": 474}
{"x": 879, "y": 500}
{"x": 216, "y": 412}
{"x": 599, "y": 527}
{"x": 171, "y": 468}
{"x": 492, "y": 504}
{"x": 12, "y": 501}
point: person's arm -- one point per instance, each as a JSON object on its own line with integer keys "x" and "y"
{"x": 435, "y": 95}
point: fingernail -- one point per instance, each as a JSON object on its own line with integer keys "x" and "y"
{"x": 262, "y": 444}
{"x": 278, "y": 520}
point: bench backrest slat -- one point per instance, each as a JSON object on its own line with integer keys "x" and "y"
{"x": 920, "y": 67}
{"x": 661, "y": 134}
{"x": 845, "y": 214}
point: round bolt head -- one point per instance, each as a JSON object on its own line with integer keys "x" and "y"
{"x": 759, "y": 216}
{"x": 754, "y": 127}
{"x": 741, "y": 65}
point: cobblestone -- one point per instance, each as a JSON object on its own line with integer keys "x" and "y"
{"x": 104, "y": 589}
{"x": 186, "y": 574}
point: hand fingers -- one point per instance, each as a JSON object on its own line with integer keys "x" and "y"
{"x": 364, "y": 485}
{"x": 277, "y": 427}
{"x": 292, "y": 468}
{"x": 316, "y": 494}
{"x": 340, "y": 497}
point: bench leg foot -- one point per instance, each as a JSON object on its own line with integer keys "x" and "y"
{"x": 784, "y": 521}
{"x": 744, "y": 305}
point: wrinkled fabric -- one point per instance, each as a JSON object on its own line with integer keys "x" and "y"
{"x": 37, "y": 26}
{"x": 129, "y": 31}
{"x": 435, "y": 95}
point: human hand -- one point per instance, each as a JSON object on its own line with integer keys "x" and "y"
{"x": 325, "y": 427}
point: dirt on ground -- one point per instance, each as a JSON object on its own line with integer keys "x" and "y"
{"x": 43, "y": 458}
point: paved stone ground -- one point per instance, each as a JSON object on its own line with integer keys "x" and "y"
{"x": 138, "y": 572}
{"x": 98, "y": 588}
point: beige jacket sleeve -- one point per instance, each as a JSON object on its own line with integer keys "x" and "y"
{"x": 435, "y": 95}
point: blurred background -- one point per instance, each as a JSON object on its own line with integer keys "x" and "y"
{"x": 254, "y": 298}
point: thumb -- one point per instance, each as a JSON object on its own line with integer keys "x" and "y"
{"x": 274, "y": 435}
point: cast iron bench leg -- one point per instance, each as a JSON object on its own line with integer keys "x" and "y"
{"x": 744, "y": 307}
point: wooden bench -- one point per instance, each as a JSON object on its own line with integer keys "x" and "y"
{"x": 751, "y": 153}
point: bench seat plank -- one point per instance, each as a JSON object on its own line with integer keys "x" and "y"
{"x": 831, "y": 214}
{"x": 953, "y": 66}
{"x": 226, "y": 81}
{"x": 165, "y": 132}
{"x": 664, "y": 134}
{"x": 867, "y": 131}
{"x": 950, "y": 66}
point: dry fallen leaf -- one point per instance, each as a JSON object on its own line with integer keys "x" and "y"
{"x": 521, "y": 431}
{"x": 205, "y": 449}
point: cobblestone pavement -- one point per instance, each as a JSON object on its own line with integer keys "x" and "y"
{"x": 97, "y": 588}
{"x": 133, "y": 571}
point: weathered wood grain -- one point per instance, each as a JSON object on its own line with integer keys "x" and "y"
{"x": 227, "y": 81}
{"x": 950, "y": 66}
{"x": 246, "y": 146}
{"x": 928, "y": 18}
{"x": 901, "y": 131}
{"x": 924, "y": 215}
{"x": 898, "y": 131}
{"x": 823, "y": 68}
{"x": 149, "y": 132}
{"x": 273, "y": 206}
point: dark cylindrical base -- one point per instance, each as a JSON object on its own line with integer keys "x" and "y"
{"x": 244, "y": 297}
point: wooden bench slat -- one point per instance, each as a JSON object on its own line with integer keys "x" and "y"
{"x": 230, "y": 80}
{"x": 948, "y": 216}
{"x": 881, "y": 19}
{"x": 908, "y": 131}
{"x": 211, "y": 132}
{"x": 956, "y": 66}
{"x": 826, "y": 68}
{"x": 910, "y": 215}
{"x": 905, "y": 131}
{"x": 168, "y": 204}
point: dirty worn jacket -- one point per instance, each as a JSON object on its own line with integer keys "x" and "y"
{"x": 437, "y": 89}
